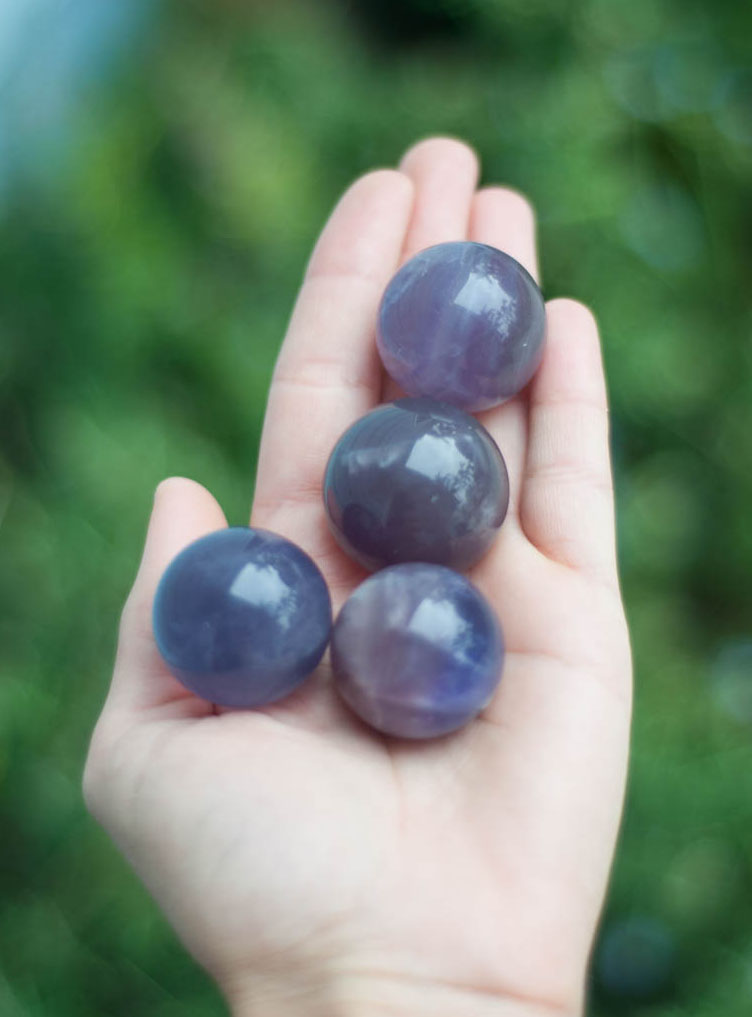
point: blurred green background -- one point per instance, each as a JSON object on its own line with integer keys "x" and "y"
{"x": 164, "y": 169}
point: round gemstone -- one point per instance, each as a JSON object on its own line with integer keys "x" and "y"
{"x": 462, "y": 322}
{"x": 417, "y": 651}
{"x": 242, "y": 616}
{"x": 416, "y": 480}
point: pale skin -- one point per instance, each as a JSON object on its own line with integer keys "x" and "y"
{"x": 312, "y": 866}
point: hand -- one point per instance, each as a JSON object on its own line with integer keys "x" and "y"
{"x": 309, "y": 864}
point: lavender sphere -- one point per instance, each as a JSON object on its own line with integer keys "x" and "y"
{"x": 464, "y": 323}
{"x": 416, "y": 480}
{"x": 417, "y": 651}
{"x": 242, "y": 616}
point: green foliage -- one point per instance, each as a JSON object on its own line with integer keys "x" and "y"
{"x": 149, "y": 265}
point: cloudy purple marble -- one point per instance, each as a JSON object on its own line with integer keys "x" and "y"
{"x": 416, "y": 480}
{"x": 464, "y": 323}
{"x": 417, "y": 651}
{"x": 242, "y": 616}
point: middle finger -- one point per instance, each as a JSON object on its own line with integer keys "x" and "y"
{"x": 445, "y": 173}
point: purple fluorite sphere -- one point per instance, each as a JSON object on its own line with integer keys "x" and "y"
{"x": 417, "y": 651}
{"x": 464, "y": 323}
{"x": 416, "y": 480}
{"x": 242, "y": 616}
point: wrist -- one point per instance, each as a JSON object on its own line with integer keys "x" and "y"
{"x": 381, "y": 996}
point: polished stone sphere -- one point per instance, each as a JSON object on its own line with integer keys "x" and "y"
{"x": 417, "y": 651}
{"x": 416, "y": 480}
{"x": 242, "y": 616}
{"x": 464, "y": 323}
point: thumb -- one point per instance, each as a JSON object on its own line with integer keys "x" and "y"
{"x": 183, "y": 511}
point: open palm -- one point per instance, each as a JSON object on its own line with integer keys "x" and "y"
{"x": 310, "y": 864}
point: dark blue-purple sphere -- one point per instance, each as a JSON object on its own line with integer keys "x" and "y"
{"x": 464, "y": 323}
{"x": 242, "y": 616}
{"x": 416, "y": 480}
{"x": 417, "y": 651}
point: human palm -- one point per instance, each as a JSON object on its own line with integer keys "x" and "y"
{"x": 310, "y": 864}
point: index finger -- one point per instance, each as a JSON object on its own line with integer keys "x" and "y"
{"x": 328, "y": 372}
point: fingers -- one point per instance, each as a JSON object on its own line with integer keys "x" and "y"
{"x": 504, "y": 219}
{"x": 328, "y": 372}
{"x": 183, "y": 511}
{"x": 567, "y": 500}
{"x": 445, "y": 172}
